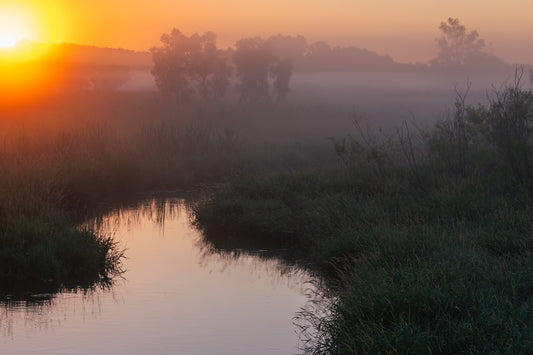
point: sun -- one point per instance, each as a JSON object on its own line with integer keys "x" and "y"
{"x": 14, "y": 26}
{"x": 9, "y": 40}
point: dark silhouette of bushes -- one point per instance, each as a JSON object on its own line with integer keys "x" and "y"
{"x": 490, "y": 137}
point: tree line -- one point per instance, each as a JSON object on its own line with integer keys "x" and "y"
{"x": 187, "y": 66}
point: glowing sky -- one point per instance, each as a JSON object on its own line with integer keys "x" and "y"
{"x": 404, "y": 29}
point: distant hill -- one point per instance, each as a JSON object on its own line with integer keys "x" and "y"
{"x": 76, "y": 66}
{"x": 322, "y": 57}
{"x": 80, "y": 55}
{"x": 99, "y": 56}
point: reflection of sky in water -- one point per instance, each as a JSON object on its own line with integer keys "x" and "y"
{"x": 175, "y": 298}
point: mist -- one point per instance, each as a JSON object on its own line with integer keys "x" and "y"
{"x": 280, "y": 88}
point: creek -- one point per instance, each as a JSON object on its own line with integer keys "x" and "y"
{"x": 176, "y": 296}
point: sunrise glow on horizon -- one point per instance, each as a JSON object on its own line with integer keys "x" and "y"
{"x": 15, "y": 25}
{"x": 405, "y": 30}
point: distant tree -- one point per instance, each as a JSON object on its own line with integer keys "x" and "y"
{"x": 319, "y": 47}
{"x": 288, "y": 47}
{"x": 253, "y": 60}
{"x": 220, "y": 78}
{"x": 171, "y": 63}
{"x": 318, "y": 55}
{"x": 185, "y": 65}
{"x": 281, "y": 72}
{"x": 460, "y": 48}
{"x": 321, "y": 56}
{"x": 208, "y": 68}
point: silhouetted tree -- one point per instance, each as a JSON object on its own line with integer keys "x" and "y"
{"x": 183, "y": 65}
{"x": 171, "y": 63}
{"x": 289, "y": 47}
{"x": 253, "y": 60}
{"x": 318, "y": 55}
{"x": 208, "y": 67}
{"x": 219, "y": 81}
{"x": 459, "y": 48}
{"x": 281, "y": 72}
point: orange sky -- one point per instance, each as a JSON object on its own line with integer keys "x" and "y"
{"x": 403, "y": 29}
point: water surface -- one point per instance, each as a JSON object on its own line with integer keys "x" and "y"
{"x": 177, "y": 297}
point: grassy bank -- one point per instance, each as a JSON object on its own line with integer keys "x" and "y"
{"x": 41, "y": 249}
{"x": 425, "y": 239}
